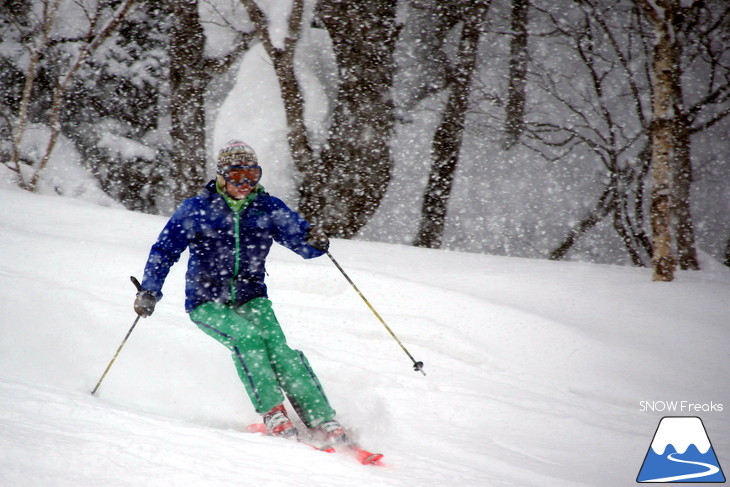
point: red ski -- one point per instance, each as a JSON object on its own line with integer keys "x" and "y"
{"x": 365, "y": 457}
{"x": 362, "y": 456}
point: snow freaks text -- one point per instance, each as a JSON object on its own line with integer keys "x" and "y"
{"x": 681, "y": 407}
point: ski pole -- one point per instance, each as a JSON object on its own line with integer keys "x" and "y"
{"x": 417, "y": 366}
{"x": 139, "y": 288}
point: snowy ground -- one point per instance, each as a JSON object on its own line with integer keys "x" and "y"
{"x": 536, "y": 370}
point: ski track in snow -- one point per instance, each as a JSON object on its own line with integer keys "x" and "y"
{"x": 535, "y": 368}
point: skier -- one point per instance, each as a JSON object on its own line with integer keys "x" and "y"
{"x": 229, "y": 228}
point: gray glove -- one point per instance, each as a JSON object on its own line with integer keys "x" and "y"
{"x": 145, "y": 303}
{"x": 317, "y": 239}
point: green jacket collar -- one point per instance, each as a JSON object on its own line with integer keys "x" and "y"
{"x": 238, "y": 205}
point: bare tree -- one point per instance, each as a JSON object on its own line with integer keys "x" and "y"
{"x": 703, "y": 28}
{"x": 681, "y": 186}
{"x": 446, "y": 145}
{"x": 627, "y": 46}
{"x": 191, "y": 72}
{"x": 427, "y": 69}
{"x": 188, "y": 80}
{"x": 593, "y": 122}
{"x": 515, "y": 109}
{"x": 665, "y": 100}
{"x": 43, "y": 31}
{"x": 342, "y": 186}
{"x": 311, "y": 202}
{"x": 97, "y": 31}
{"x": 356, "y": 158}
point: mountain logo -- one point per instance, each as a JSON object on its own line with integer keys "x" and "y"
{"x": 680, "y": 452}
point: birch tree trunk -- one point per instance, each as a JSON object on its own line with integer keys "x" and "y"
{"x": 48, "y": 19}
{"x": 665, "y": 66}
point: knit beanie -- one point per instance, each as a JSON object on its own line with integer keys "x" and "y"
{"x": 236, "y": 153}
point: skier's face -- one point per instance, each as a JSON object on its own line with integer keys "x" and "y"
{"x": 240, "y": 180}
{"x": 238, "y": 192}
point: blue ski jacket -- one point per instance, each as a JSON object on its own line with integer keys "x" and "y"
{"x": 228, "y": 249}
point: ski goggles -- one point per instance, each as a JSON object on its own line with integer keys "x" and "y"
{"x": 240, "y": 175}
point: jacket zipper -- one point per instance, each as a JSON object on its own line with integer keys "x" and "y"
{"x": 237, "y": 220}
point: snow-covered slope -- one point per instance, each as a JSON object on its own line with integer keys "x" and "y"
{"x": 536, "y": 369}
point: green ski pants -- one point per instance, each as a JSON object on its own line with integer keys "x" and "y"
{"x": 264, "y": 361}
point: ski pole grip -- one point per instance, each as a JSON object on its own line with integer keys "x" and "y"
{"x": 136, "y": 283}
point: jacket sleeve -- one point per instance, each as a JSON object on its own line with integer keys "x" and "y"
{"x": 290, "y": 229}
{"x": 166, "y": 251}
